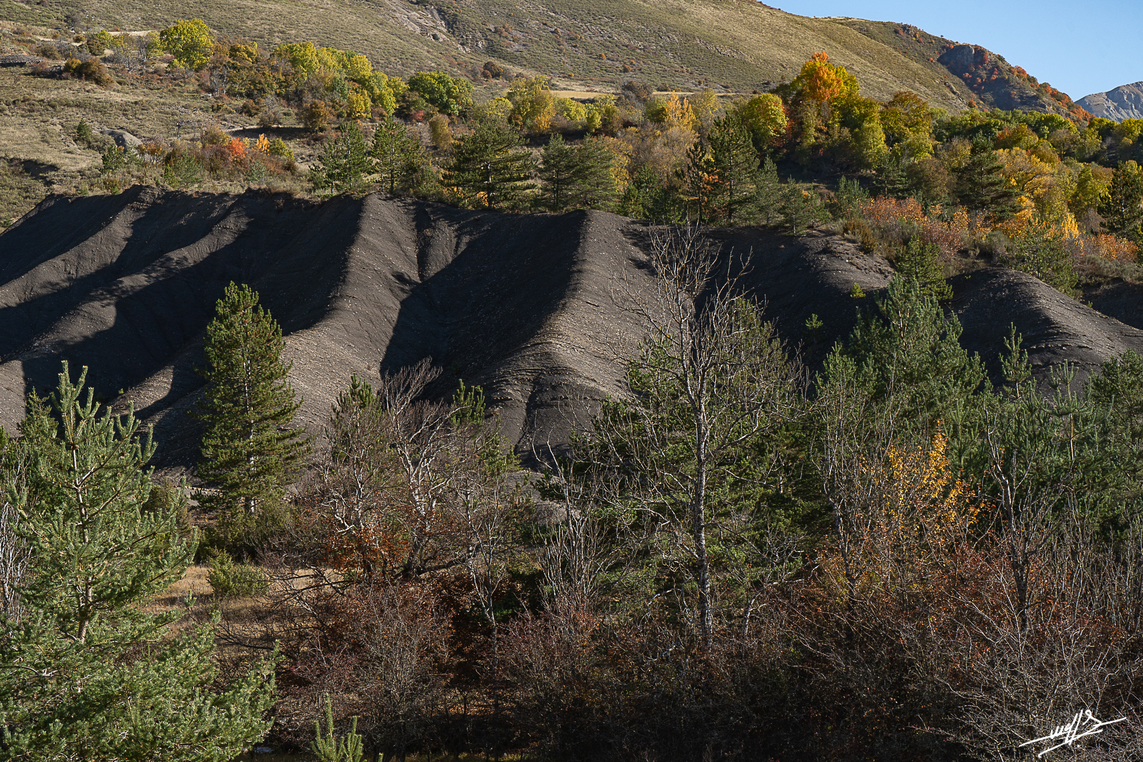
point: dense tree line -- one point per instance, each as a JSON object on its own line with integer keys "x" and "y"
{"x": 1056, "y": 196}
{"x": 895, "y": 558}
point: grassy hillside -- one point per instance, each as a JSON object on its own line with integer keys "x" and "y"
{"x": 582, "y": 45}
{"x": 683, "y": 45}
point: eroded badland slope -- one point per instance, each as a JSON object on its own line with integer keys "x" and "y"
{"x": 540, "y": 310}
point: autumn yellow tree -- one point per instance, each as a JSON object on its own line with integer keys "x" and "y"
{"x": 533, "y": 105}
{"x": 764, "y": 116}
{"x": 914, "y": 513}
{"x": 190, "y": 41}
{"x": 814, "y": 92}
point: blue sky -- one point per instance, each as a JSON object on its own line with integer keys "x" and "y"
{"x": 1079, "y": 47}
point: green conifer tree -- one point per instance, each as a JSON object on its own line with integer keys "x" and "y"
{"x": 487, "y": 171}
{"x": 249, "y": 449}
{"x": 594, "y": 186}
{"x": 734, "y": 190}
{"x": 771, "y": 194}
{"x": 396, "y": 156}
{"x": 85, "y": 671}
{"x": 906, "y": 357}
{"x": 922, "y": 263}
{"x": 576, "y": 177}
{"x": 344, "y": 162}
{"x": 559, "y": 170}
{"x": 1122, "y": 208}
{"x": 698, "y": 176}
{"x": 981, "y": 186}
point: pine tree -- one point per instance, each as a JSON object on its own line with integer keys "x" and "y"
{"x": 85, "y": 671}
{"x": 907, "y": 357}
{"x": 1123, "y": 206}
{"x": 487, "y": 171}
{"x": 922, "y": 263}
{"x": 981, "y": 185}
{"x": 595, "y": 185}
{"x": 396, "y": 156}
{"x": 559, "y": 170}
{"x": 576, "y": 177}
{"x": 698, "y": 176}
{"x": 734, "y": 192}
{"x": 344, "y": 162}
{"x": 771, "y": 193}
{"x": 249, "y": 450}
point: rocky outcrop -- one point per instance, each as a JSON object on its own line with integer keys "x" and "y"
{"x": 1124, "y": 102}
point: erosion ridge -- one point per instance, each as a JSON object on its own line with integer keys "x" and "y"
{"x": 536, "y": 309}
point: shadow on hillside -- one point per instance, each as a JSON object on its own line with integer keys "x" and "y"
{"x": 161, "y": 309}
{"x": 504, "y": 277}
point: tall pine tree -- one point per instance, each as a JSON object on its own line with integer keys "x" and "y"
{"x": 560, "y": 170}
{"x": 396, "y": 156}
{"x": 344, "y": 162}
{"x": 486, "y": 169}
{"x": 249, "y": 449}
{"x": 734, "y": 194}
{"x": 1122, "y": 208}
{"x": 86, "y": 672}
{"x": 981, "y": 185}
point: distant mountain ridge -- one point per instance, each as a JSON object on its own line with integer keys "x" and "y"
{"x": 1124, "y": 102}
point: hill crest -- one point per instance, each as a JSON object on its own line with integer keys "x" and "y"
{"x": 539, "y": 310}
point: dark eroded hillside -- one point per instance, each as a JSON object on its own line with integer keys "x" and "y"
{"x": 537, "y": 309}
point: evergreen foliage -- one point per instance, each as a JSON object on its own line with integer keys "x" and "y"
{"x": 1122, "y": 209}
{"x": 922, "y": 263}
{"x": 397, "y": 157}
{"x": 904, "y": 354}
{"x": 771, "y": 194}
{"x": 328, "y": 748}
{"x": 734, "y": 173}
{"x": 981, "y": 185}
{"x": 85, "y": 672}
{"x": 249, "y": 449}
{"x": 344, "y": 162}
{"x": 1043, "y": 252}
{"x": 802, "y": 207}
{"x": 576, "y": 176}
{"x": 487, "y": 170}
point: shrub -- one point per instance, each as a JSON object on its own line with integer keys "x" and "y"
{"x": 1109, "y": 247}
{"x": 83, "y": 134}
{"x": 279, "y": 148}
{"x": 214, "y": 136}
{"x": 235, "y": 580}
{"x": 99, "y": 42}
{"x": 91, "y": 70}
{"x": 116, "y": 158}
{"x": 893, "y": 222}
{"x": 181, "y": 168}
{"x": 50, "y": 51}
{"x": 316, "y": 116}
{"x": 440, "y": 132}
